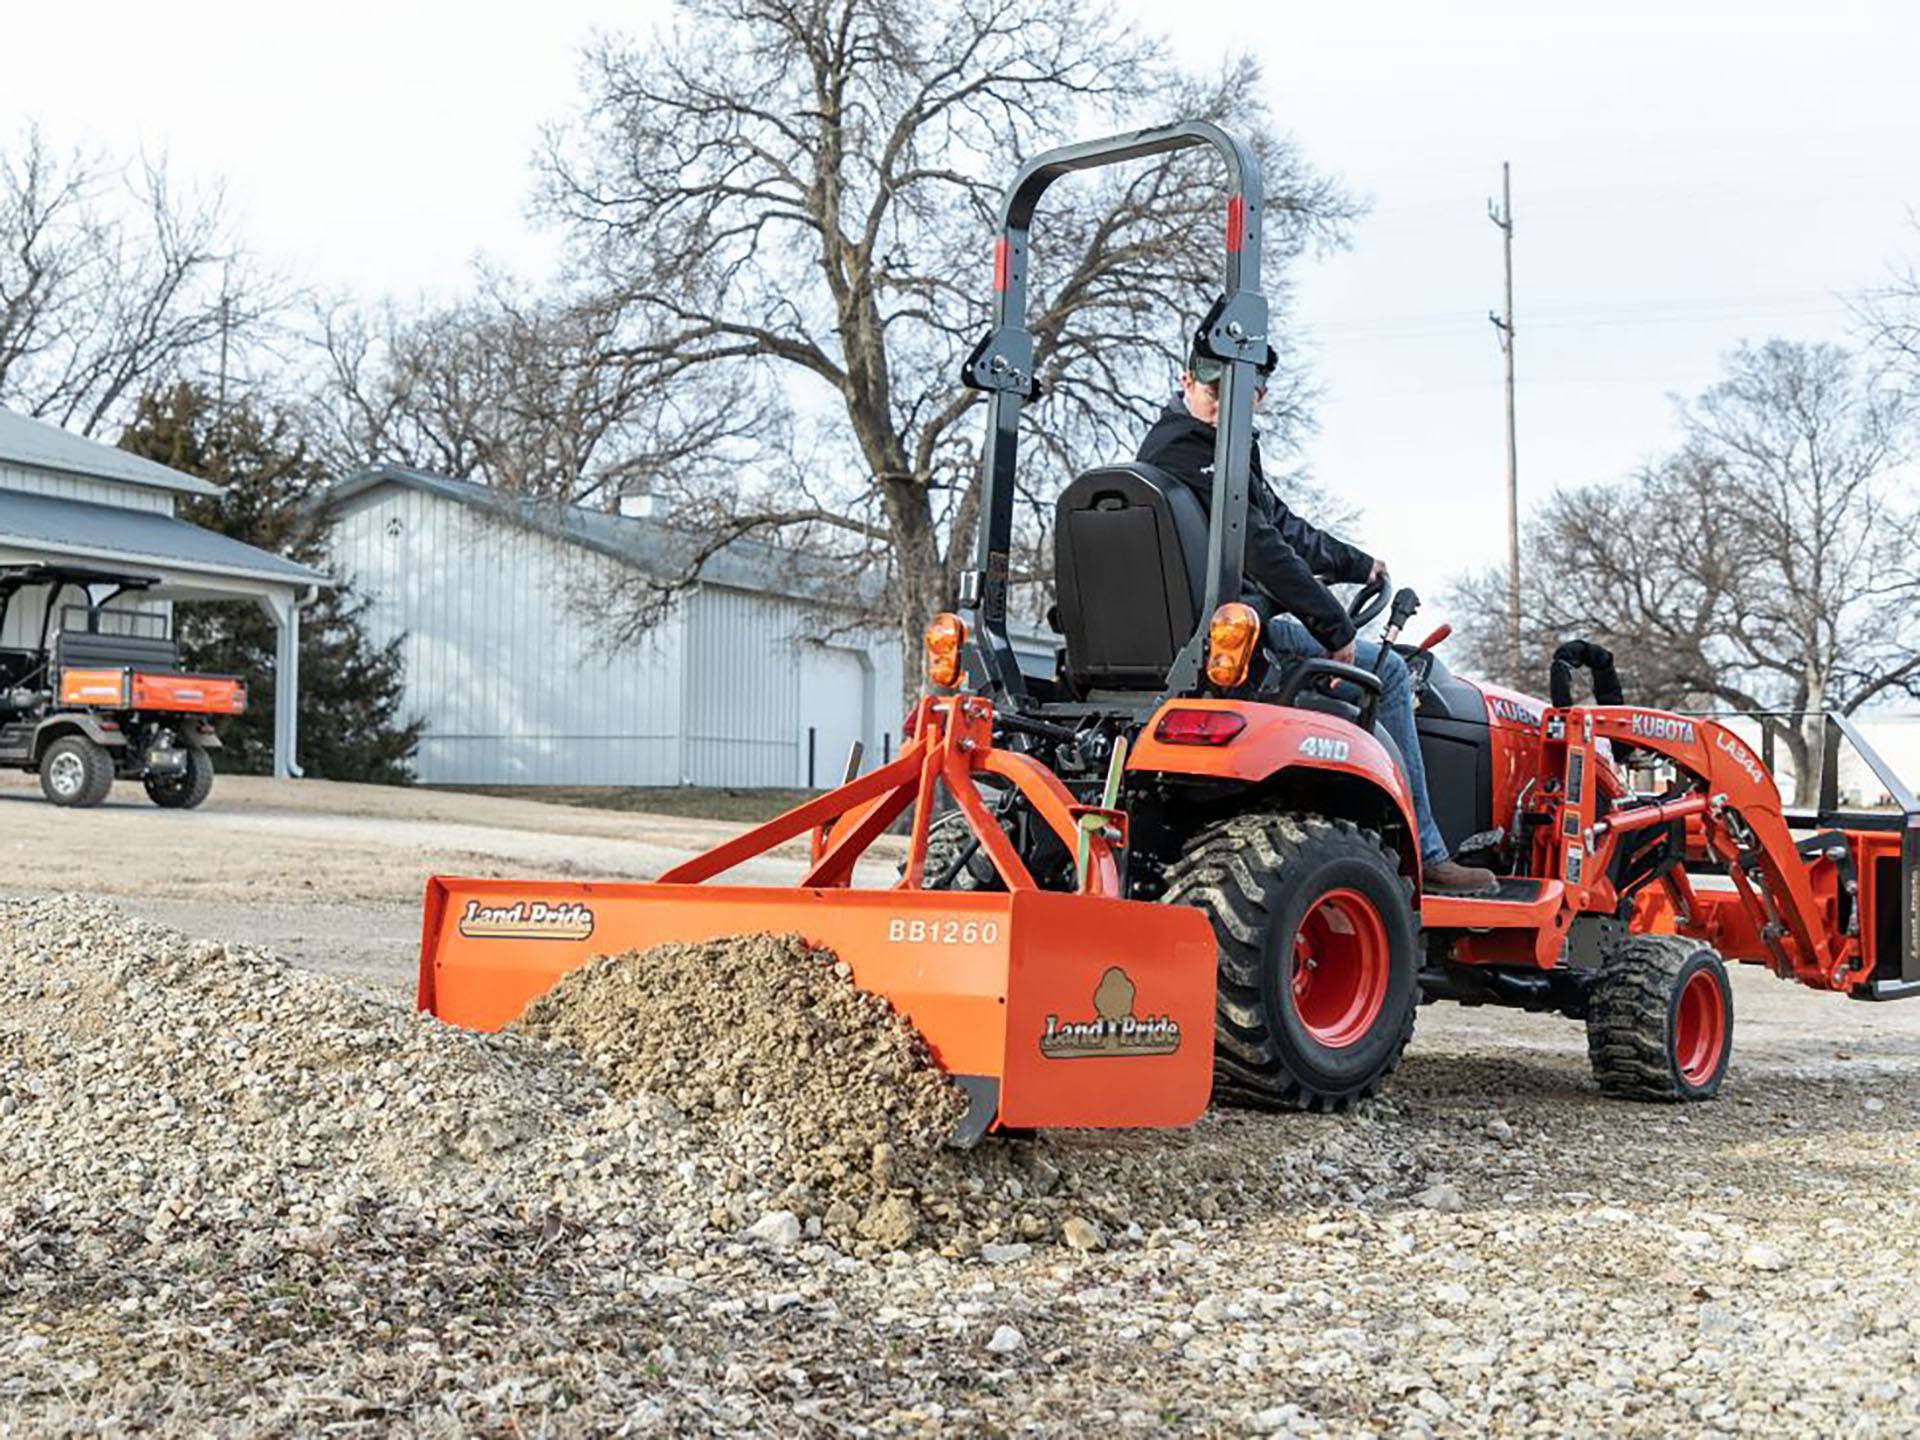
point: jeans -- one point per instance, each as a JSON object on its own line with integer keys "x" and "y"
{"x": 1288, "y": 636}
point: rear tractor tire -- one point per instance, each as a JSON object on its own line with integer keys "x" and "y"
{"x": 1318, "y": 964}
{"x": 76, "y": 772}
{"x": 954, "y": 858}
{"x": 187, "y": 790}
{"x": 1660, "y": 1020}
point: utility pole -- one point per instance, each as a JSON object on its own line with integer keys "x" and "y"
{"x": 1503, "y": 327}
{"x": 220, "y": 429}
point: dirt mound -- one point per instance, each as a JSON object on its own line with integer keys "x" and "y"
{"x": 799, "y": 1081}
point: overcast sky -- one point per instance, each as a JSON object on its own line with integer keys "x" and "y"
{"x": 1685, "y": 175}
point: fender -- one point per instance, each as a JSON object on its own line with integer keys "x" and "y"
{"x": 1276, "y": 739}
{"x": 77, "y": 722}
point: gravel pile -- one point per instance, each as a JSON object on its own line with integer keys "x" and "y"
{"x": 237, "y": 1198}
{"x": 790, "y": 1078}
{"x": 145, "y": 1078}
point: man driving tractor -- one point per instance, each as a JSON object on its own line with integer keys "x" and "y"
{"x": 1286, "y": 558}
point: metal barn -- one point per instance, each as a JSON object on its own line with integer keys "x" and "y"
{"x": 757, "y": 678}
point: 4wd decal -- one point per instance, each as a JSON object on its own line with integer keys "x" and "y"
{"x": 527, "y": 920}
{"x": 1513, "y": 712}
{"x": 1114, "y": 1029}
{"x": 1661, "y": 727}
{"x": 1325, "y": 747}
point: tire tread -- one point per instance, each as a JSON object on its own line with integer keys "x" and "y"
{"x": 1235, "y": 870}
{"x": 1627, "y": 1018}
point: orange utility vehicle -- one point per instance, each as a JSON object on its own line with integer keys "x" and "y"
{"x": 100, "y": 694}
{"x": 1176, "y": 867}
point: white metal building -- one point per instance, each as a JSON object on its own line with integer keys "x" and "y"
{"x": 756, "y": 678}
{"x": 65, "y": 499}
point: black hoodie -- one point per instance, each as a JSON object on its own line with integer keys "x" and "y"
{"x": 1284, "y": 553}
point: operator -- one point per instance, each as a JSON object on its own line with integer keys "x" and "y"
{"x": 1285, "y": 558}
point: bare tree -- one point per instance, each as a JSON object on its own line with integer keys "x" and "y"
{"x": 525, "y": 392}
{"x": 1891, "y": 319}
{"x": 112, "y": 281}
{"x": 789, "y": 206}
{"x": 1772, "y": 564}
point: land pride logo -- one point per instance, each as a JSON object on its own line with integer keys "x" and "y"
{"x": 527, "y": 920}
{"x": 1114, "y": 1029}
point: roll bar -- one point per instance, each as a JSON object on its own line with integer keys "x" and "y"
{"x": 1234, "y": 331}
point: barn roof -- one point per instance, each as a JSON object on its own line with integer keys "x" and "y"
{"x": 82, "y": 529}
{"x": 41, "y": 446}
{"x": 647, "y": 544}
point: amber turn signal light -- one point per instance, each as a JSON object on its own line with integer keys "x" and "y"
{"x": 1231, "y": 636}
{"x": 945, "y": 635}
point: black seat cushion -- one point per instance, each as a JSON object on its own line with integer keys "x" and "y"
{"x": 1130, "y": 558}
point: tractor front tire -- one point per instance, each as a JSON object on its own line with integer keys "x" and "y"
{"x": 187, "y": 791}
{"x": 76, "y": 772}
{"x": 1660, "y": 1020}
{"x": 1319, "y": 977}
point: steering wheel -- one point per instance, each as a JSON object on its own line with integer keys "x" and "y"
{"x": 1372, "y": 599}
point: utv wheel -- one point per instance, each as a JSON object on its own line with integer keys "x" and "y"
{"x": 1318, "y": 979}
{"x": 184, "y": 791}
{"x": 1660, "y": 1020}
{"x": 76, "y": 772}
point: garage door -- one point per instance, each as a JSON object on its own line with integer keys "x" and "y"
{"x": 836, "y": 709}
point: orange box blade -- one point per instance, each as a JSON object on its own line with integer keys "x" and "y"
{"x": 1089, "y": 1012}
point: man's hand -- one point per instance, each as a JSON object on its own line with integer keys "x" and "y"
{"x": 1379, "y": 569}
{"x": 1345, "y": 653}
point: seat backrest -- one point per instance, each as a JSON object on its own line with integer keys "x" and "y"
{"x": 81, "y": 649}
{"x": 1130, "y": 560}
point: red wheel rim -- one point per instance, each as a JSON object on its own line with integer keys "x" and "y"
{"x": 1341, "y": 961}
{"x": 1699, "y": 1029}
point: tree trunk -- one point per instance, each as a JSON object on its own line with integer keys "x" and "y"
{"x": 1803, "y": 744}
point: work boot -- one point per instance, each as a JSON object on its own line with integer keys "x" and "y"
{"x": 1450, "y": 877}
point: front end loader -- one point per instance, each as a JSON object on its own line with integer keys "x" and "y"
{"x": 1180, "y": 867}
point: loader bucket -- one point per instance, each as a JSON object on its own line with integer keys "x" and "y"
{"x": 1049, "y": 1009}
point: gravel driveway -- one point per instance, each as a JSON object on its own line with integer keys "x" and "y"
{"x": 1489, "y": 1249}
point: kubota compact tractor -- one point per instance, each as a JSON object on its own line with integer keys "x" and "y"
{"x": 1177, "y": 867}
{"x": 101, "y": 693}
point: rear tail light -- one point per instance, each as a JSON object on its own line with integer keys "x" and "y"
{"x": 1199, "y": 727}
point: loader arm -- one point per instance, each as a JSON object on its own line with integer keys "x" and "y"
{"x": 1735, "y": 805}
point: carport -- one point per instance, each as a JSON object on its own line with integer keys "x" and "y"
{"x": 125, "y": 522}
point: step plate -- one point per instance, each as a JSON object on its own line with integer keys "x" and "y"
{"x": 1523, "y": 903}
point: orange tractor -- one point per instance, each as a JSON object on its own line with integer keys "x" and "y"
{"x": 1178, "y": 867}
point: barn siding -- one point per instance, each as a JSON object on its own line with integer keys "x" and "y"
{"x": 505, "y": 672}
{"x": 515, "y": 690}
{"x": 82, "y": 487}
{"x": 742, "y": 689}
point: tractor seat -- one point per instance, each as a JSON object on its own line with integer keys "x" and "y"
{"x": 1130, "y": 561}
